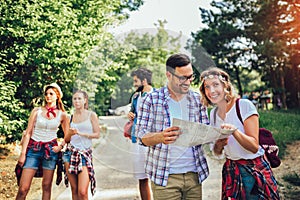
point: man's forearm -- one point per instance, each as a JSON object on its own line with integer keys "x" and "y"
{"x": 151, "y": 139}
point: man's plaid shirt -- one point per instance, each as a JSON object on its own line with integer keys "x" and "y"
{"x": 154, "y": 116}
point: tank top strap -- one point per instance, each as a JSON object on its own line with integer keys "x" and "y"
{"x": 90, "y": 113}
{"x": 39, "y": 111}
{"x": 59, "y": 114}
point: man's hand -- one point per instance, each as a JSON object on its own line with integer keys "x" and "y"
{"x": 169, "y": 135}
{"x": 131, "y": 116}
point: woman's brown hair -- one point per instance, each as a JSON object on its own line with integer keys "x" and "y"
{"x": 59, "y": 102}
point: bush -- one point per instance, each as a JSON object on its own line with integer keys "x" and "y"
{"x": 13, "y": 117}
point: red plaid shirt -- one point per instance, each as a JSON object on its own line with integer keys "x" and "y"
{"x": 76, "y": 165}
{"x": 37, "y": 146}
{"x": 265, "y": 186}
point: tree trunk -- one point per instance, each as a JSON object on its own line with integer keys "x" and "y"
{"x": 282, "y": 85}
{"x": 237, "y": 75}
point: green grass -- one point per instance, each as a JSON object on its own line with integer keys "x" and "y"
{"x": 285, "y": 126}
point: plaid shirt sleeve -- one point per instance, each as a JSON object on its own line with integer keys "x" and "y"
{"x": 145, "y": 118}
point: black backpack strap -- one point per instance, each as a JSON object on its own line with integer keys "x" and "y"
{"x": 71, "y": 119}
{"x": 238, "y": 111}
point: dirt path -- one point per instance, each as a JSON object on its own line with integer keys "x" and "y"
{"x": 290, "y": 165}
{"x": 211, "y": 187}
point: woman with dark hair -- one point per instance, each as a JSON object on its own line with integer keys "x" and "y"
{"x": 39, "y": 143}
{"x": 77, "y": 158}
{"x": 246, "y": 173}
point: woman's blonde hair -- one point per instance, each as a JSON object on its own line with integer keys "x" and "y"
{"x": 224, "y": 79}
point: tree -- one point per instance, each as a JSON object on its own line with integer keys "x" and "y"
{"x": 252, "y": 34}
{"x": 149, "y": 49}
{"x": 45, "y": 41}
{"x": 222, "y": 40}
{"x": 12, "y": 115}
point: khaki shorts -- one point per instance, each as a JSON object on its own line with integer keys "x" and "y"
{"x": 180, "y": 186}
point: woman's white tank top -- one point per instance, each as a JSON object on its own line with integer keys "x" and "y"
{"x": 45, "y": 129}
{"x": 82, "y": 142}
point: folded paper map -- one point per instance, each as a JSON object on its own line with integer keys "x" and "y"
{"x": 194, "y": 133}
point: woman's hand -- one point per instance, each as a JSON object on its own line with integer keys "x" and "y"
{"x": 228, "y": 127}
{"x": 57, "y": 149}
{"x": 73, "y": 131}
{"x": 21, "y": 160}
{"x": 219, "y": 145}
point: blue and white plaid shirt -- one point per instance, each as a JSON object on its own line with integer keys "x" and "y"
{"x": 154, "y": 116}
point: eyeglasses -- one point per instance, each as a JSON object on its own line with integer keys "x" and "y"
{"x": 183, "y": 79}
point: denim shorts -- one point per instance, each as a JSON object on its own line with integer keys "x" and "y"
{"x": 67, "y": 157}
{"x": 34, "y": 158}
{"x": 248, "y": 182}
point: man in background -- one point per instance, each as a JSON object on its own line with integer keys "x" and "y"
{"x": 142, "y": 83}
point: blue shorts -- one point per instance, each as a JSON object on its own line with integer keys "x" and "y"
{"x": 67, "y": 157}
{"x": 35, "y": 158}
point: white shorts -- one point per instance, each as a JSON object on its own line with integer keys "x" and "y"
{"x": 139, "y": 154}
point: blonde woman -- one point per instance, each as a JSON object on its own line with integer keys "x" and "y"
{"x": 78, "y": 159}
{"x": 246, "y": 173}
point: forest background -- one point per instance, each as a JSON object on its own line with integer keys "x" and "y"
{"x": 68, "y": 42}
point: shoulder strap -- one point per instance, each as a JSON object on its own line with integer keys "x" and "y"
{"x": 39, "y": 110}
{"x": 215, "y": 115}
{"x": 238, "y": 111}
{"x": 71, "y": 119}
{"x": 59, "y": 114}
{"x": 90, "y": 114}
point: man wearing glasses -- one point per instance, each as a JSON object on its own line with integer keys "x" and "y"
{"x": 175, "y": 172}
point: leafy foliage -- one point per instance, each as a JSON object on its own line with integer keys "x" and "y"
{"x": 12, "y": 115}
{"x": 256, "y": 35}
{"x": 45, "y": 41}
{"x": 146, "y": 50}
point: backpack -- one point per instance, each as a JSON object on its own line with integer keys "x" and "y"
{"x": 266, "y": 141}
